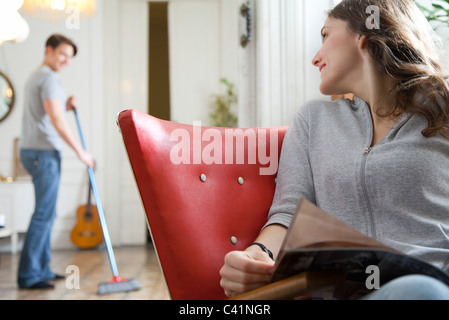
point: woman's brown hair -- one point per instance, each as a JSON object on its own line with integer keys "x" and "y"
{"x": 405, "y": 46}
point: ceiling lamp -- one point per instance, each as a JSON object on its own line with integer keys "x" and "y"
{"x": 12, "y": 26}
{"x": 60, "y": 9}
{"x": 10, "y": 5}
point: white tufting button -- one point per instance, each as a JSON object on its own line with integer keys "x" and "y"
{"x": 203, "y": 177}
{"x": 240, "y": 180}
{"x": 233, "y": 240}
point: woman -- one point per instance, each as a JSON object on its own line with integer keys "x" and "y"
{"x": 379, "y": 163}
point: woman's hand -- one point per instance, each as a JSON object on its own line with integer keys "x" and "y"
{"x": 251, "y": 269}
{"x": 245, "y": 270}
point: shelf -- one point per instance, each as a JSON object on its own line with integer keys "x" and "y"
{"x": 5, "y": 233}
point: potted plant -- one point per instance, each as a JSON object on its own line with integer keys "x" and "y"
{"x": 439, "y": 11}
{"x": 221, "y": 115}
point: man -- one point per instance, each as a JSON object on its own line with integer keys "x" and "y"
{"x": 44, "y": 130}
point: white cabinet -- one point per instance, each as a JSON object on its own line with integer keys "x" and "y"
{"x": 17, "y": 204}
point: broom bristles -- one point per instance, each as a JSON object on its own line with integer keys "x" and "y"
{"x": 118, "y": 286}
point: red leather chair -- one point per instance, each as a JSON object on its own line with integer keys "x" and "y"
{"x": 198, "y": 212}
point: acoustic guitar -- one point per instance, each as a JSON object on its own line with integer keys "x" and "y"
{"x": 87, "y": 232}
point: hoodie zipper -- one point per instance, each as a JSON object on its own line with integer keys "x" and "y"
{"x": 365, "y": 191}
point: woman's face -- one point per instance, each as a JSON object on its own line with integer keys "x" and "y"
{"x": 339, "y": 59}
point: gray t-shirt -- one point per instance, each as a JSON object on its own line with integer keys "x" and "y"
{"x": 396, "y": 192}
{"x": 38, "y": 132}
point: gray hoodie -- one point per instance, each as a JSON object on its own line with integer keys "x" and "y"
{"x": 396, "y": 192}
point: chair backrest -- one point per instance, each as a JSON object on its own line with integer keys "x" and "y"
{"x": 203, "y": 195}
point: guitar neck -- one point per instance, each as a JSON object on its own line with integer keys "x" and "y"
{"x": 89, "y": 197}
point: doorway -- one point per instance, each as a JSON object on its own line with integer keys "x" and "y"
{"x": 159, "y": 66}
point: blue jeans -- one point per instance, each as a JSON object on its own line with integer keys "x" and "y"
{"x": 45, "y": 168}
{"x": 412, "y": 287}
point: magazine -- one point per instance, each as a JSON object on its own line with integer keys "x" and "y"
{"x": 317, "y": 241}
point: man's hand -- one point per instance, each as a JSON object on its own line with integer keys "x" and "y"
{"x": 86, "y": 158}
{"x": 72, "y": 103}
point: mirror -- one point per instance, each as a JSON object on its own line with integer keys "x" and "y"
{"x": 7, "y": 97}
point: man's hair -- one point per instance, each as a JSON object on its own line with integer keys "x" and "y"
{"x": 56, "y": 39}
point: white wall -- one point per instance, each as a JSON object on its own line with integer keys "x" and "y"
{"x": 194, "y": 58}
{"x": 315, "y": 17}
{"x": 288, "y": 37}
{"x": 131, "y": 38}
{"x": 274, "y": 74}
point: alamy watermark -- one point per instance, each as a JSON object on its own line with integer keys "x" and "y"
{"x": 70, "y": 15}
{"x": 373, "y": 280}
{"x": 72, "y": 22}
{"x": 211, "y": 146}
{"x": 373, "y": 21}
{"x": 72, "y": 281}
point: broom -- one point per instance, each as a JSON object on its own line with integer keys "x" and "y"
{"x": 117, "y": 284}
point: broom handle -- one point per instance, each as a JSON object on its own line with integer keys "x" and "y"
{"x": 99, "y": 206}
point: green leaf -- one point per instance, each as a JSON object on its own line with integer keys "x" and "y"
{"x": 221, "y": 114}
{"x": 438, "y": 13}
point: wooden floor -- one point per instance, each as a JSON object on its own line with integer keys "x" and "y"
{"x": 139, "y": 263}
